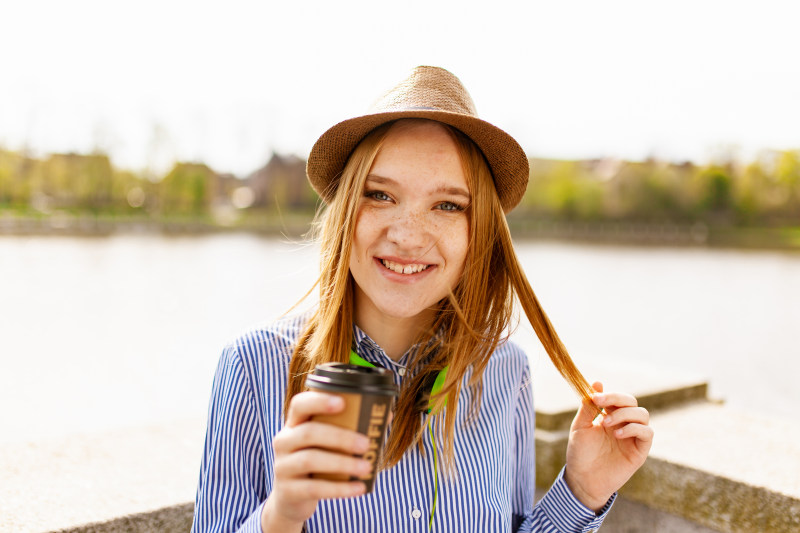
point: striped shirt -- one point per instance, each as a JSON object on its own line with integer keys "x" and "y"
{"x": 492, "y": 491}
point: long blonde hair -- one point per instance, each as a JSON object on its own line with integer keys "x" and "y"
{"x": 473, "y": 319}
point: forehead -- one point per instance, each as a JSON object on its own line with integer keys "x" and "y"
{"x": 417, "y": 128}
{"x": 421, "y": 151}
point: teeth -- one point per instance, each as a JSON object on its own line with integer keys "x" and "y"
{"x": 403, "y": 269}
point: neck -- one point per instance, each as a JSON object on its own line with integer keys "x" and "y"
{"x": 394, "y": 334}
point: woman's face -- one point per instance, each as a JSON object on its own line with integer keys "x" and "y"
{"x": 412, "y": 230}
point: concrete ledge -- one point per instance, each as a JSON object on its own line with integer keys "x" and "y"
{"x": 551, "y": 451}
{"x": 731, "y": 470}
{"x": 652, "y": 401}
{"x": 655, "y": 388}
{"x": 632, "y": 517}
{"x": 117, "y": 480}
{"x": 169, "y": 519}
{"x": 715, "y": 467}
{"x": 712, "y": 500}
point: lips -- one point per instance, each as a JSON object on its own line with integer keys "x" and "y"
{"x": 404, "y": 268}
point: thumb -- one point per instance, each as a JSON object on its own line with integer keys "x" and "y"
{"x": 588, "y": 410}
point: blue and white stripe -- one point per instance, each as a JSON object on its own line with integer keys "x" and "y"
{"x": 492, "y": 490}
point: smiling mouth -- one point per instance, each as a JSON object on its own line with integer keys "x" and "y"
{"x": 404, "y": 269}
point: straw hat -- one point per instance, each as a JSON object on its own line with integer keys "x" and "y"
{"x": 432, "y": 93}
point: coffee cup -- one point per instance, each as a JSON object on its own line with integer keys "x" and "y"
{"x": 368, "y": 394}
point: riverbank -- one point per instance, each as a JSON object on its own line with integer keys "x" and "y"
{"x": 296, "y": 225}
{"x": 659, "y": 234}
{"x": 292, "y": 224}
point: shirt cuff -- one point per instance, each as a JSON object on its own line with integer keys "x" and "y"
{"x": 567, "y": 513}
{"x": 253, "y": 522}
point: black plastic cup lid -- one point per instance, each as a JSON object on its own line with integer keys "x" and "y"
{"x": 344, "y": 377}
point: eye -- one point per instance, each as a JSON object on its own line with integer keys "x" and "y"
{"x": 377, "y": 195}
{"x": 449, "y": 206}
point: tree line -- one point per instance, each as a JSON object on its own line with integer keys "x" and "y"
{"x": 763, "y": 192}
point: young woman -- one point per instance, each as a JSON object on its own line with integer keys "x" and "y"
{"x": 418, "y": 276}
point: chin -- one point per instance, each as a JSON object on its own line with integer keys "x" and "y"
{"x": 406, "y": 311}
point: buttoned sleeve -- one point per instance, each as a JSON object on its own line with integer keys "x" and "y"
{"x": 231, "y": 487}
{"x": 558, "y": 510}
{"x": 561, "y": 511}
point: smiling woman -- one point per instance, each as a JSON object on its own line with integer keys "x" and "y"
{"x": 419, "y": 277}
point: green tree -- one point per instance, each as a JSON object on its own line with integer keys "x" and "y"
{"x": 713, "y": 186}
{"x": 787, "y": 174}
{"x": 8, "y": 164}
{"x": 186, "y": 189}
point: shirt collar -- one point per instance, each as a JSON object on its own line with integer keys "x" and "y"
{"x": 369, "y": 349}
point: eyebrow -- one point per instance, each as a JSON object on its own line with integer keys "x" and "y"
{"x": 454, "y": 191}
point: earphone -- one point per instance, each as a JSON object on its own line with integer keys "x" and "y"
{"x": 438, "y": 383}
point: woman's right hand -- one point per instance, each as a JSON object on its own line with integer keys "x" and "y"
{"x": 304, "y": 447}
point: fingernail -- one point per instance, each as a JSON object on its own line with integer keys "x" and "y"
{"x": 364, "y": 467}
{"x": 358, "y": 489}
{"x": 361, "y": 444}
{"x": 335, "y": 402}
{"x": 618, "y": 433}
{"x": 607, "y": 421}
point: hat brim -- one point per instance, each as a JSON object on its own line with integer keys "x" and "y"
{"x": 506, "y": 159}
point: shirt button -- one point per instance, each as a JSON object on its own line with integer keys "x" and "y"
{"x": 401, "y": 371}
{"x": 416, "y": 513}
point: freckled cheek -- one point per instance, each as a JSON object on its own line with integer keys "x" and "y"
{"x": 366, "y": 233}
{"x": 455, "y": 240}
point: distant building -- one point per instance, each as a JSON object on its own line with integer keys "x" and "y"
{"x": 281, "y": 182}
{"x": 223, "y": 187}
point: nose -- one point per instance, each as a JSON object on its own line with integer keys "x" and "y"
{"x": 409, "y": 231}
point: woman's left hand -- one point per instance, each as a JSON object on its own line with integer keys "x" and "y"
{"x": 602, "y": 457}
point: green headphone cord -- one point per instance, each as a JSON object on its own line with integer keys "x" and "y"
{"x": 435, "y": 474}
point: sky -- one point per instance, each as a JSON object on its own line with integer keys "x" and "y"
{"x": 228, "y": 83}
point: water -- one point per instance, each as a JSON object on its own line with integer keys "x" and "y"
{"x": 121, "y": 331}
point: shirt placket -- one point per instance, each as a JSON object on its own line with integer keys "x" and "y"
{"x": 414, "y": 507}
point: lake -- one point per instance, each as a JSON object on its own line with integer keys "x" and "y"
{"x": 126, "y": 330}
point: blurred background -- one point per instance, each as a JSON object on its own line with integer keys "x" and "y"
{"x": 153, "y": 196}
